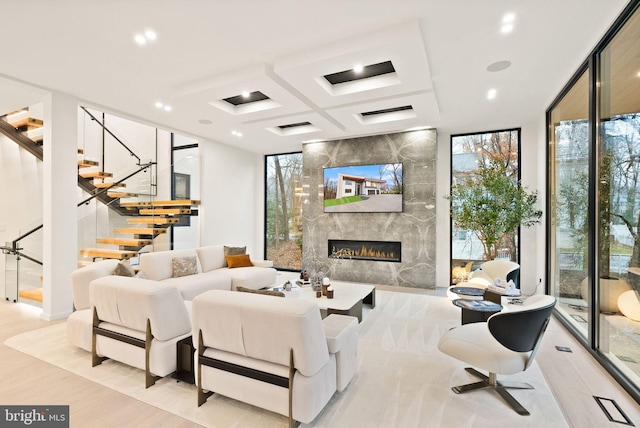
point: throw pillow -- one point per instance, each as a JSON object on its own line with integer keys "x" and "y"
{"x": 123, "y": 268}
{"x": 233, "y": 251}
{"x": 241, "y": 260}
{"x": 141, "y": 275}
{"x": 265, "y": 292}
{"x": 183, "y": 266}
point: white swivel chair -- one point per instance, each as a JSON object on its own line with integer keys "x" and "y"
{"x": 489, "y": 271}
{"x": 506, "y": 344}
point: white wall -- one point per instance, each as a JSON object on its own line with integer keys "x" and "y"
{"x": 232, "y": 197}
{"x": 533, "y": 170}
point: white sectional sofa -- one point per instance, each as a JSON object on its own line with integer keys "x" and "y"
{"x": 272, "y": 352}
{"x": 210, "y": 274}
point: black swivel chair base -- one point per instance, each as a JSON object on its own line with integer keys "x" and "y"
{"x": 500, "y": 387}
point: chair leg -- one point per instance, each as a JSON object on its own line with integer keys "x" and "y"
{"x": 491, "y": 381}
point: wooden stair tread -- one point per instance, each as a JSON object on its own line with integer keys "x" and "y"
{"x": 21, "y": 118}
{"x": 108, "y": 254}
{"x": 33, "y": 294}
{"x": 108, "y": 184}
{"x": 140, "y": 230}
{"x": 135, "y": 204}
{"x": 152, "y": 220}
{"x": 116, "y": 194}
{"x": 158, "y": 211}
{"x": 127, "y": 242}
{"x": 96, "y": 174}
{"x": 171, "y": 203}
{"x": 86, "y": 163}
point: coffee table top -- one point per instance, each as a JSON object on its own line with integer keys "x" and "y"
{"x": 345, "y": 294}
{"x": 478, "y": 305}
{"x": 468, "y": 291}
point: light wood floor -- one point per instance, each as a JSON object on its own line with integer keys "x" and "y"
{"x": 573, "y": 377}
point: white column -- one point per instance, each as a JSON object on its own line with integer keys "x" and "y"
{"x": 60, "y": 182}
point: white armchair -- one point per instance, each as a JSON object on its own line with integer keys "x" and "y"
{"x": 506, "y": 344}
{"x": 489, "y": 271}
{"x": 273, "y": 353}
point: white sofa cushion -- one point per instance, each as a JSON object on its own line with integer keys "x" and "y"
{"x": 252, "y": 277}
{"x": 193, "y": 285}
{"x": 250, "y": 318}
{"x": 79, "y": 328}
{"x": 211, "y": 257}
{"x": 129, "y": 302}
{"x": 81, "y": 278}
{"x": 159, "y": 265}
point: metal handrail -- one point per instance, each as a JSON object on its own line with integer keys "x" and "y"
{"x": 106, "y": 189}
{"x": 111, "y": 133}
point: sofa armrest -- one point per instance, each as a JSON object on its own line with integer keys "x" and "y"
{"x": 341, "y": 332}
{"x": 262, "y": 263}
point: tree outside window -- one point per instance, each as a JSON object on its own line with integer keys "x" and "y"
{"x": 283, "y": 200}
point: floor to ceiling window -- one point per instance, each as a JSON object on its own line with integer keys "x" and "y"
{"x": 284, "y": 193}
{"x": 594, "y": 201}
{"x": 468, "y": 153}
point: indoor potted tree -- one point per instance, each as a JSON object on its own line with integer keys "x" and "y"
{"x": 492, "y": 204}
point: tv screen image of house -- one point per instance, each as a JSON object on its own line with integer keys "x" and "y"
{"x": 375, "y": 188}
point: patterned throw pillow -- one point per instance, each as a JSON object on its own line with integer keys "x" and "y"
{"x": 123, "y": 268}
{"x": 183, "y": 266}
{"x": 233, "y": 251}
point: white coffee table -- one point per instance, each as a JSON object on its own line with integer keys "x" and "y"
{"x": 348, "y": 297}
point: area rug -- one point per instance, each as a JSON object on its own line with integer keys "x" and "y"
{"x": 402, "y": 379}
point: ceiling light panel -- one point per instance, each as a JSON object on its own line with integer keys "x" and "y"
{"x": 401, "y": 45}
{"x": 213, "y": 91}
{"x": 418, "y": 109}
{"x": 364, "y": 72}
{"x": 246, "y": 98}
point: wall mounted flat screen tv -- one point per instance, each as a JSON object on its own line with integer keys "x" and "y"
{"x": 375, "y": 188}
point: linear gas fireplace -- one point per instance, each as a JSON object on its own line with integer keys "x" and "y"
{"x": 383, "y": 251}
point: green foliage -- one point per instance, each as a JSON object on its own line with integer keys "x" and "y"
{"x": 492, "y": 204}
{"x": 340, "y": 201}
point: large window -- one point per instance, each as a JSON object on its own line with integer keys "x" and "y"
{"x": 283, "y": 210}
{"x": 469, "y": 152}
{"x": 594, "y": 202}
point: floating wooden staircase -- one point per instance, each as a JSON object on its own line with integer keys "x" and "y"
{"x": 158, "y": 216}
{"x": 24, "y": 130}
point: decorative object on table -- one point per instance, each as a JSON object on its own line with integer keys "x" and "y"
{"x": 287, "y": 286}
{"x": 492, "y": 204}
{"x": 304, "y": 276}
{"x": 316, "y": 280}
{"x": 318, "y": 294}
{"x": 325, "y": 284}
{"x": 329, "y": 292}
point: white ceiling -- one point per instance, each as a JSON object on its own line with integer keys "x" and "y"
{"x": 207, "y": 50}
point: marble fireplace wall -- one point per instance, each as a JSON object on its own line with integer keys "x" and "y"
{"x": 414, "y": 226}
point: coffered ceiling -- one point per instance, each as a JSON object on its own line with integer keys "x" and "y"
{"x": 206, "y": 51}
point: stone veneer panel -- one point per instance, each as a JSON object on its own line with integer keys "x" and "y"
{"x": 414, "y": 227}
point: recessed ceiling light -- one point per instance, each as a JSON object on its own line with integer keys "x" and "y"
{"x": 246, "y": 94}
{"x": 236, "y": 133}
{"x": 492, "y": 94}
{"x": 358, "y": 68}
{"x": 498, "y": 66}
{"x": 159, "y": 104}
{"x": 205, "y": 121}
{"x": 167, "y": 108}
{"x": 509, "y": 17}
{"x": 507, "y": 28}
{"x": 150, "y": 35}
